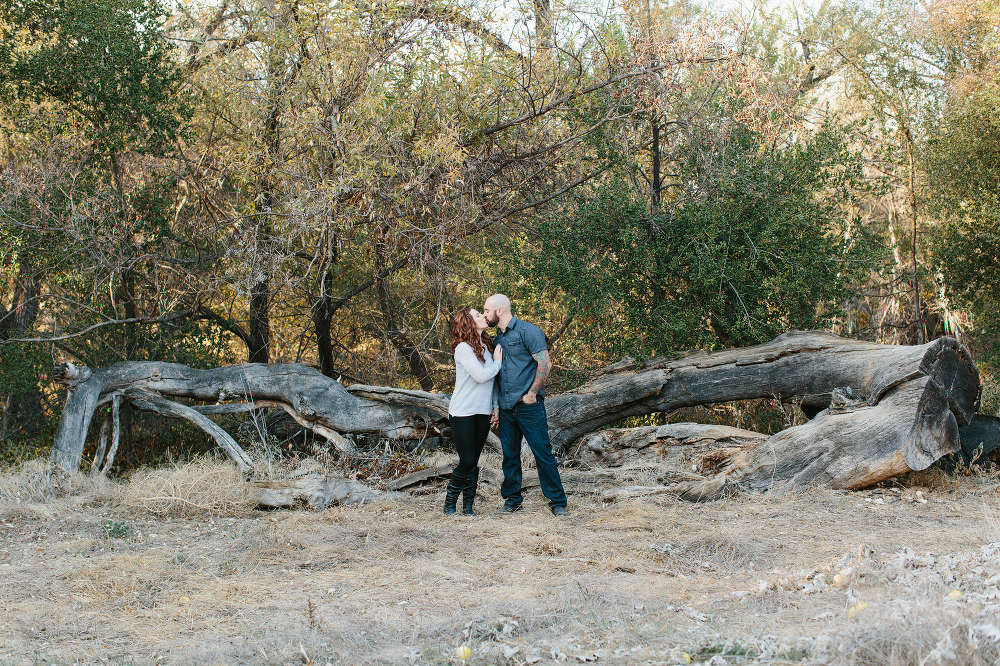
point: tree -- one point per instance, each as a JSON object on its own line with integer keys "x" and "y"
{"x": 962, "y": 162}
{"x": 757, "y": 250}
{"x": 401, "y": 131}
{"x": 91, "y": 97}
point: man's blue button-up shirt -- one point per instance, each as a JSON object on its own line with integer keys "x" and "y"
{"x": 517, "y": 372}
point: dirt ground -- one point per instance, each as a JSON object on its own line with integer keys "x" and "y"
{"x": 900, "y": 575}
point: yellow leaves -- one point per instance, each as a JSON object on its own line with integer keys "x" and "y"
{"x": 857, "y": 608}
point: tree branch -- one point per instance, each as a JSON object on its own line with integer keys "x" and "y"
{"x": 223, "y": 323}
{"x": 112, "y": 322}
{"x": 569, "y": 97}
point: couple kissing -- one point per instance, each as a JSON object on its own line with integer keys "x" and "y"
{"x": 500, "y": 382}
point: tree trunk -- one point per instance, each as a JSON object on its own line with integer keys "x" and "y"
{"x": 314, "y": 400}
{"x": 800, "y": 366}
{"x": 322, "y": 312}
{"x": 888, "y": 409}
{"x": 259, "y": 323}
{"x": 678, "y": 446}
{"x": 853, "y": 444}
{"x": 905, "y": 414}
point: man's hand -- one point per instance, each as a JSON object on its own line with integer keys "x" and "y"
{"x": 495, "y": 419}
{"x": 530, "y": 398}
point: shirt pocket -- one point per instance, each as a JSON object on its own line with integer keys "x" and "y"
{"x": 514, "y": 343}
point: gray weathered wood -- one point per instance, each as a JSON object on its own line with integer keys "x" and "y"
{"x": 799, "y": 366}
{"x": 316, "y": 400}
{"x": 908, "y": 429}
{"x": 886, "y": 408}
{"x": 312, "y": 491}
{"x": 116, "y": 431}
{"x": 616, "y": 447}
{"x": 420, "y": 476}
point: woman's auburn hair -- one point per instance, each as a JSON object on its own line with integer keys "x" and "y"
{"x": 463, "y": 329}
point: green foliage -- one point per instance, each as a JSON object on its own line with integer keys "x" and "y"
{"x": 962, "y": 156}
{"x": 106, "y": 63}
{"x": 963, "y": 166}
{"x": 116, "y": 530}
{"x": 22, "y": 366}
{"x": 750, "y": 252}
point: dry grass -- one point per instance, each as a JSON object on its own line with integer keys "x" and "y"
{"x": 746, "y": 580}
{"x": 205, "y": 486}
{"x": 37, "y": 481}
{"x": 915, "y": 631}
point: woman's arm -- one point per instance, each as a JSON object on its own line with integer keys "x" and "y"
{"x": 467, "y": 358}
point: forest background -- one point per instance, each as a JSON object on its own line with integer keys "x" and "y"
{"x": 328, "y": 182}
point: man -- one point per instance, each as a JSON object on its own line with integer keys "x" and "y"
{"x": 523, "y": 372}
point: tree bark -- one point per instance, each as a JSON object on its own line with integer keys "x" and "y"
{"x": 322, "y": 313}
{"x": 887, "y": 409}
{"x": 800, "y": 366}
{"x": 259, "y": 323}
{"x": 314, "y": 400}
{"x": 689, "y": 441}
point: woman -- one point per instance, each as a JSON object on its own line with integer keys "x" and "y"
{"x": 472, "y": 403}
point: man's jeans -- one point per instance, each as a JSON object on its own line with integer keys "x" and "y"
{"x": 530, "y": 422}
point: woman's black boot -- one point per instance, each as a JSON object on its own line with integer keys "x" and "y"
{"x": 455, "y": 486}
{"x": 469, "y": 498}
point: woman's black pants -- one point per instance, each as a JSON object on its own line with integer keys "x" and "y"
{"x": 469, "y": 434}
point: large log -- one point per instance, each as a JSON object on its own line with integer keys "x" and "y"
{"x": 898, "y": 409}
{"x": 800, "y": 366}
{"x": 850, "y": 445}
{"x": 690, "y": 442}
{"x": 856, "y": 445}
{"x": 893, "y": 407}
{"x": 313, "y": 399}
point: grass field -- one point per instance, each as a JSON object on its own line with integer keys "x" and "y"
{"x": 896, "y": 575}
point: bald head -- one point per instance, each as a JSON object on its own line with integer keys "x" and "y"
{"x": 497, "y": 311}
{"x": 499, "y": 301}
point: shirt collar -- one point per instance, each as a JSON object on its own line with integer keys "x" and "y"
{"x": 510, "y": 325}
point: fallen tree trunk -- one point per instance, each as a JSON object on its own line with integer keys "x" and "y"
{"x": 887, "y": 408}
{"x": 689, "y": 442}
{"x": 853, "y": 444}
{"x": 898, "y": 409}
{"x": 800, "y": 366}
{"x": 314, "y": 400}
{"x": 850, "y": 445}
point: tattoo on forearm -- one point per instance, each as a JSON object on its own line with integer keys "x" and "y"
{"x": 544, "y": 365}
